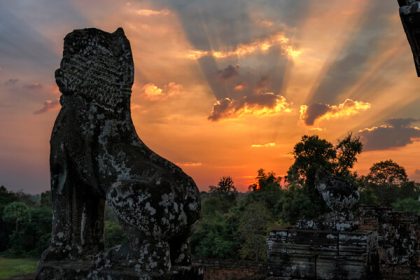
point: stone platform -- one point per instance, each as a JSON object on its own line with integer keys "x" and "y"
{"x": 310, "y": 254}
{"x": 81, "y": 270}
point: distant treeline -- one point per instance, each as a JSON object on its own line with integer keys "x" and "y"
{"x": 234, "y": 225}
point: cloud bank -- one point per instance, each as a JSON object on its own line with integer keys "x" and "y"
{"x": 394, "y": 133}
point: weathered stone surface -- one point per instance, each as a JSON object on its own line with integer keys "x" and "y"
{"x": 80, "y": 270}
{"x": 410, "y": 18}
{"x": 398, "y": 235}
{"x": 341, "y": 197}
{"x": 394, "y": 252}
{"x": 306, "y": 254}
{"x": 97, "y": 157}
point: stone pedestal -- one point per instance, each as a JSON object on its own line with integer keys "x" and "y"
{"x": 309, "y": 254}
{"x": 82, "y": 270}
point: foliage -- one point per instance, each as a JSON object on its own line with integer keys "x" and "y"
{"x": 15, "y": 267}
{"x": 265, "y": 181}
{"x": 214, "y": 238}
{"x": 386, "y": 183}
{"x": 347, "y": 151}
{"x": 225, "y": 189}
{"x": 253, "y": 228}
{"x": 387, "y": 173}
{"x": 267, "y": 190}
{"x": 296, "y": 204}
{"x": 225, "y": 186}
{"x": 113, "y": 234}
{"x": 311, "y": 154}
{"x": 407, "y": 205}
{"x": 17, "y": 213}
{"x": 46, "y": 199}
{"x": 314, "y": 156}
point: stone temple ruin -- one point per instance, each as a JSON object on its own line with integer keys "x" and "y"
{"x": 97, "y": 158}
{"x": 372, "y": 243}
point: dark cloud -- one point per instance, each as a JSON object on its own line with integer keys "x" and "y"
{"x": 313, "y": 112}
{"x": 229, "y": 72}
{"x": 222, "y": 108}
{"x": 395, "y": 133}
{"x": 309, "y": 114}
{"x": 263, "y": 83}
{"x": 227, "y": 107}
{"x": 48, "y": 106}
{"x": 353, "y": 59}
{"x": 253, "y": 92}
{"x": 225, "y": 26}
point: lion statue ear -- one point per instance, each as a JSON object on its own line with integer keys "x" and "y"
{"x": 124, "y": 50}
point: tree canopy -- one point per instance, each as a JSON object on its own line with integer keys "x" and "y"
{"x": 387, "y": 172}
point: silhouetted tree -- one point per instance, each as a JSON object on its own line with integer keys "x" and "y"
{"x": 315, "y": 156}
{"x": 347, "y": 151}
{"x": 225, "y": 187}
{"x": 387, "y": 172}
{"x": 387, "y": 183}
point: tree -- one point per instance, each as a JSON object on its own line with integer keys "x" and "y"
{"x": 213, "y": 237}
{"x": 296, "y": 204}
{"x": 266, "y": 181}
{"x": 387, "y": 172}
{"x": 113, "y": 234}
{"x": 253, "y": 228}
{"x": 46, "y": 199}
{"x": 220, "y": 197}
{"x": 225, "y": 187}
{"x": 407, "y": 205}
{"x": 16, "y": 213}
{"x": 315, "y": 157}
{"x": 266, "y": 190}
{"x": 313, "y": 154}
{"x": 347, "y": 150}
{"x": 386, "y": 183}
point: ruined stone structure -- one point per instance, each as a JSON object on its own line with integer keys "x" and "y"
{"x": 329, "y": 247}
{"x": 398, "y": 246}
{"x": 383, "y": 244}
{"x": 97, "y": 158}
{"x": 317, "y": 254}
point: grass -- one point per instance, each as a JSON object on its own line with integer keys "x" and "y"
{"x": 15, "y": 267}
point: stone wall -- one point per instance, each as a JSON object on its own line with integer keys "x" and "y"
{"x": 232, "y": 270}
{"x": 398, "y": 235}
{"x": 311, "y": 254}
{"x": 385, "y": 246}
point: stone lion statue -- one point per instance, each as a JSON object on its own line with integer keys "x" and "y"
{"x": 97, "y": 158}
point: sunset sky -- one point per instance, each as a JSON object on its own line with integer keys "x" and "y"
{"x": 222, "y": 87}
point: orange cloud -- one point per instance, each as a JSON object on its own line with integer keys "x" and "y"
{"x": 259, "y": 105}
{"x": 148, "y": 12}
{"x": 190, "y": 164}
{"x": 320, "y": 111}
{"x": 263, "y": 45}
{"x": 48, "y": 106}
{"x": 267, "y": 145}
{"x": 153, "y": 92}
{"x": 239, "y": 87}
